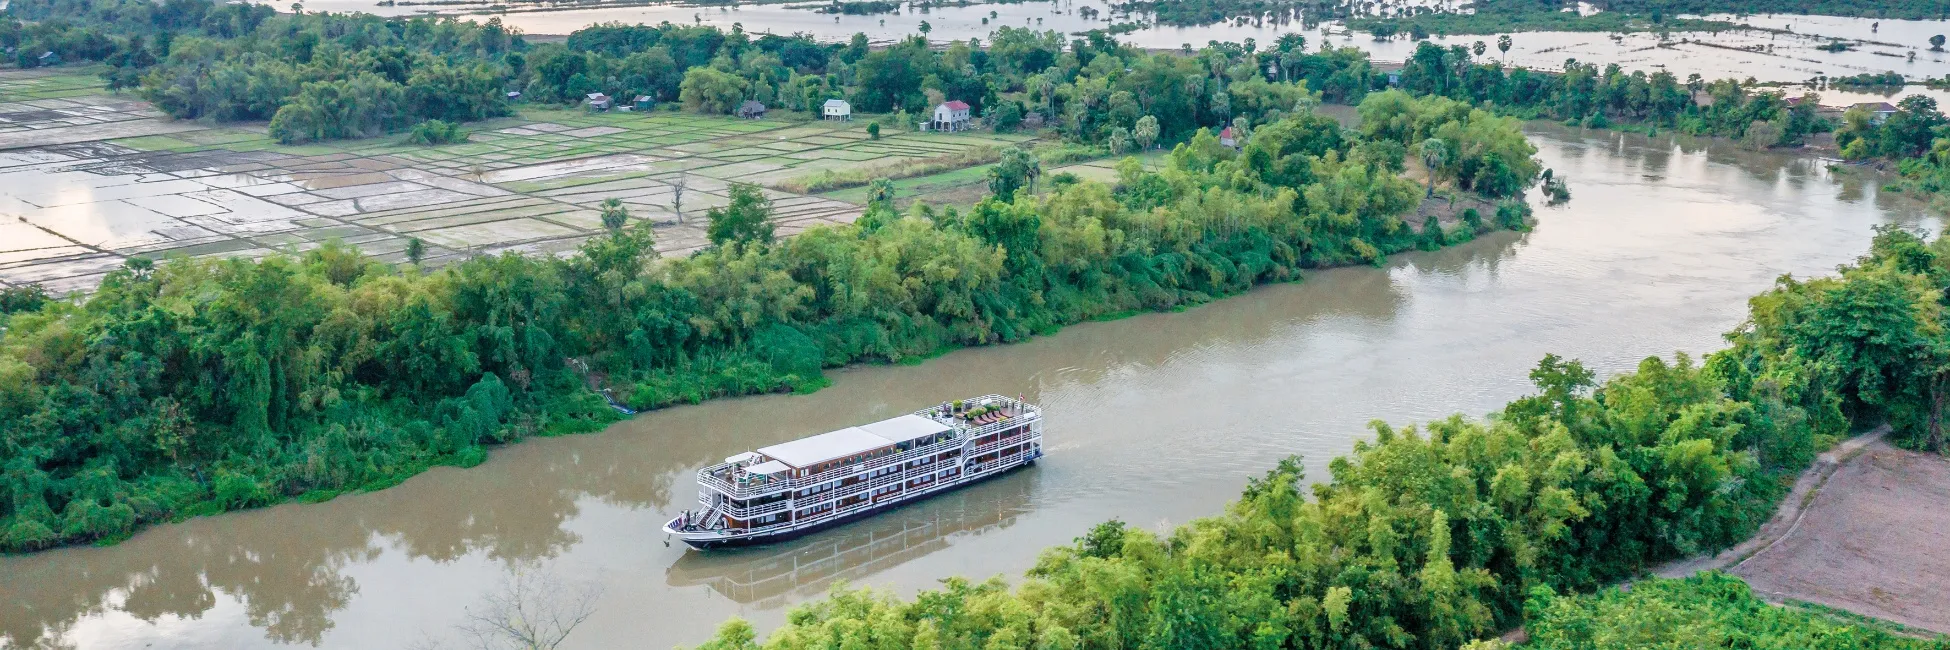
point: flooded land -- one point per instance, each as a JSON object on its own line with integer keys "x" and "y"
{"x": 1782, "y": 49}
{"x": 1155, "y": 419}
{"x": 166, "y": 188}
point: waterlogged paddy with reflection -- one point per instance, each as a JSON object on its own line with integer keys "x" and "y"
{"x": 1787, "y": 53}
{"x": 1155, "y": 419}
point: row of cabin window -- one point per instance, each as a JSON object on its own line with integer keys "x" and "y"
{"x": 876, "y": 492}
{"x": 817, "y": 489}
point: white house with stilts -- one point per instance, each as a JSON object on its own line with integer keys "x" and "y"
{"x": 951, "y": 116}
{"x": 837, "y": 110}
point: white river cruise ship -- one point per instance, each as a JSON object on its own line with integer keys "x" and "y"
{"x": 790, "y": 489}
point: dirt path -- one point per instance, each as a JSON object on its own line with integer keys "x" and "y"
{"x": 1787, "y": 518}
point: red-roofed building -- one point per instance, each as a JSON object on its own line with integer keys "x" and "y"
{"x": 952, "y": 116}
{"x": 1228, "y": 139}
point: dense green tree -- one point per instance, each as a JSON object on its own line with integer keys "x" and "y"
{"x": 1017, "y": 170}
{"x": 1434, "y": 154}
{"x": 709, "y": 90}
{"x": 746, "y": 220}
{"x": 614, "y": 215}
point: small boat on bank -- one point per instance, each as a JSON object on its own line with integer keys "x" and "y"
{"x": 790, "y": 489}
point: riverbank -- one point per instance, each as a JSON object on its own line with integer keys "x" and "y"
{"x": 1869, "y": 538}
{"x": 1857, "y": 542}
{"x": 338, "y": 372}
{"x": 1794, "y": 505}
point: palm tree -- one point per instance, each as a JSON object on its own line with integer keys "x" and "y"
{"x": 615, "y": 216}
{"x": 1434, "y": 153}
{"x": 1503, "y": 45}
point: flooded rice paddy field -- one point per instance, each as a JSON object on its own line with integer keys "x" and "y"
{"x": 1786, "y": 43}
{"x": 1155, "y": 419}
{"x": 529, "y": 184}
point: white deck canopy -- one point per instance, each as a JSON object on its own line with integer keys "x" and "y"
{"x": 905, "y": 428}
{"x": 807, "y": 452}
{"x": 768, "y": 467}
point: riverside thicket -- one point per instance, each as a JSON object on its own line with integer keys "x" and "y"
{"x": 194, "y": 386}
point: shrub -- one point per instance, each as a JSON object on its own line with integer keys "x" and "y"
{"x": 435, "y": 132}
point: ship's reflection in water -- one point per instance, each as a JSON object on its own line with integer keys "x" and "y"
{"x": 776, "y": 575}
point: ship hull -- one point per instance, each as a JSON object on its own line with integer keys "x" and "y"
{"x": 706, "y": 540}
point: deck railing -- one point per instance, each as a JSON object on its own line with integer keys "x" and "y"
{"x": 747, "y": 514}
{"x": 991, "y": 467}
{"x": 1003, "y": 442}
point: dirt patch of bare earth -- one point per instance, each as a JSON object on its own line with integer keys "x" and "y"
{"x": 1874, "y": 539}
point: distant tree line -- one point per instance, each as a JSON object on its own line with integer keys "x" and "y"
{"x": 1903, "y": 9}
{"x": 1597, "y": 97}
{"x": 321, "y": 76}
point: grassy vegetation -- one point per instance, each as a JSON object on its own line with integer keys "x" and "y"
{"x": 53, "y": 83}
{"x": 1711, "y": 610}
{"x": 835, "y": 179}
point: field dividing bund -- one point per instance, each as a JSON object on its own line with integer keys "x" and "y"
{"x": 148, "y": 186}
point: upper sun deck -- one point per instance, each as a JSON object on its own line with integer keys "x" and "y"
{"x": 837, "y": 454}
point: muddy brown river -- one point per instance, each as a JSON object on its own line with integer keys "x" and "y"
{"x": 1155, "y": 419}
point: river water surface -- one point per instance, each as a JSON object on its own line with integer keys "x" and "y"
{"x": 1155, "y": 419}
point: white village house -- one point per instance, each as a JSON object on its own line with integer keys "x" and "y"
{"x": 1879, "y": 112}
{"x": 837, "y": 110}
{"x": 951, "y": 116}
